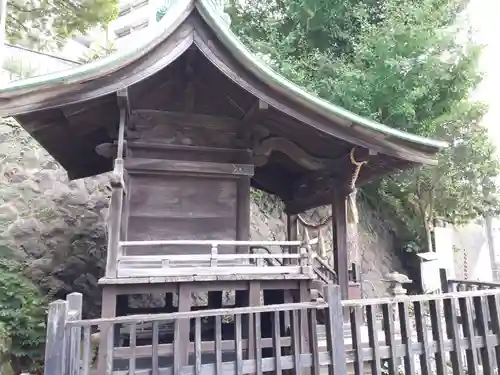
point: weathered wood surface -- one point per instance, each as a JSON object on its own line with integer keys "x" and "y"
{"x": 181, "y": 207}
{"x": 155, "y": 150}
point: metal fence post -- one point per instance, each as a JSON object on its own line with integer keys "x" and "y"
{"x": 335, "y": 330}
{"x": 55, "y": 342}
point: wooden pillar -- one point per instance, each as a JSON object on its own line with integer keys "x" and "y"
{"x": 339, "y": 228}
{"x": 243, "y": 213}
{"x": 292, "y": 231}
{"x": 108, "y": 310}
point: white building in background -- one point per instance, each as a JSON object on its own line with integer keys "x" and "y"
{"x": 134, "y": 20}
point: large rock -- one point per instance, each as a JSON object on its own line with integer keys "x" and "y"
{"x": 57, "y": 226}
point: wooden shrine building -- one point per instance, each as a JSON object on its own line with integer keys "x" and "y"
{"x": 188, "y": 122}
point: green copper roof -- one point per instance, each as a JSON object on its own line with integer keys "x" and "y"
{"x": 213, "y": 15}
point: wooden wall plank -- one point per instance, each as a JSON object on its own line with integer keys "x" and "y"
{"x": 143, "y": 166}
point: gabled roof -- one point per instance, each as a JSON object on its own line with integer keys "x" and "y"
{"x": 47, "y": 105}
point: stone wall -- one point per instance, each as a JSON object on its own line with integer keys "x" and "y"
{"x": 57, "y": 226}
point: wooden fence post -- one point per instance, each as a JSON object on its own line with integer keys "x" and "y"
{"x": 335, "y": 330}
{"x": 443, "y": 275}
{"x": 55, "y": 342}
{"x": 75, "y": 301}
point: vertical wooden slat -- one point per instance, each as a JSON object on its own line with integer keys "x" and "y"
{"x": 238, "y": 338}
{"x": 258, "y": 347}
{"x": 453, "y": 332}
{"x": 304, "y": 330}
{"x": 87, "y": 353}
{"x": 486, "y": 351}
{"x": 253, "y": 300}
{"x": 55, "y": 342}
{"x": 335, "y": 329}
{"x": 75, "y": 308}
{"x": 406, "y": 337}
{"x": 154, "y": 348}
{"x": 277, "y": 341}
{"x": 218, "y": 345}
{"x": 421, "y": 328}
{"x": 357, "y": 345}
{"x": 197, "y": 346}
{"x": 390, "y": 337}
{"x": 313, "y": 340}
{"x": 177, "y": 347}
{"x": 182, "y": 339}
{"x": 438, "y": 336}
{"x": 132, "y": 345}
{"x": 110, "y": 335}
{"x": 371, "y": 321}
{"x": 494, "y": 310}
{"x": 296, "y": 343}
{"x": 468, "y": 330}
{"x": 108, "y": 310}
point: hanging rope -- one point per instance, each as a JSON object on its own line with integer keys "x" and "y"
{"x": 323, "y": 223}
{"x": 352, "y": 210}
{"x": 357, "y": 169}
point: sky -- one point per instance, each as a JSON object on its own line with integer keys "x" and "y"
{"x": 484, "y": 17}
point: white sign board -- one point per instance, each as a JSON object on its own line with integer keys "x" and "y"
{"x": 429, "y": 272}
{"x": 444, "y": 249}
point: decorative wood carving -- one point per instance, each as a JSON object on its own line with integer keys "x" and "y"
{"x": 263, "y": 151}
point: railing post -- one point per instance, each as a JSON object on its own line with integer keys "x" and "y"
{"x": 55, "y": 348}
{"x": 73, "y": 348}
{"x": 335, "y": 330}
{"x": 214, "y": 255}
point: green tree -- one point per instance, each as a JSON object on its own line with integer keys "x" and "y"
{"x": 97, "y": 52}
{"x": 42, "y": 23}
{"x": 22, "y": 321}
{"x": 403, "y": 63}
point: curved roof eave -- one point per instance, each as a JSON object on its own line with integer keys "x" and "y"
{"x": 291, "y": 90}
{"x": 179, "y": 11}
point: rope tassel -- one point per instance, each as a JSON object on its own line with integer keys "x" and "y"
{"x": 352, "y": 208}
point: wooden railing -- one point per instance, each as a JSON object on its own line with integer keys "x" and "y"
{"x": 213, "y": 262}
{"x": 421, "y": 333}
